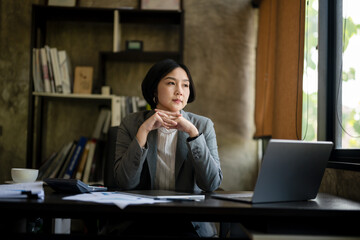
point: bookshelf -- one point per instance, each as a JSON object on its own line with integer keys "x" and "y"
{"x": 42, "y": 15}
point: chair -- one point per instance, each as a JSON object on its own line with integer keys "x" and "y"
{"x": 109, "y": 180}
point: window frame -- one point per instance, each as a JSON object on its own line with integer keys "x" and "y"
{"x": 329, "y": 69}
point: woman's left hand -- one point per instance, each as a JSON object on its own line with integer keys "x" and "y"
{"x": 174, "y": 120}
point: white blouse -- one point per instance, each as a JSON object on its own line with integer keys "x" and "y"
{"x": 166, "y": 153}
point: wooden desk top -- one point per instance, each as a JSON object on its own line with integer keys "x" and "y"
{"x": 324, "y": 206}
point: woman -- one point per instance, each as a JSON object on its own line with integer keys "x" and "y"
{"x": 167, "y": 148}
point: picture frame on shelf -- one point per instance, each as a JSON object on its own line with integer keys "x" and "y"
{"x": 160, "y": 5}
{"x": 134, "y": 45}
{"x": 83, "y": 81}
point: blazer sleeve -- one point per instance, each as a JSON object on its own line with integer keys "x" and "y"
{"x": 129, "y": 156}
{"x": 205, "y": 158}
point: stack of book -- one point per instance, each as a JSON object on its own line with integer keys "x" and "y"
{"x": 83, "y": 158}
{"x": 52, "y": 71}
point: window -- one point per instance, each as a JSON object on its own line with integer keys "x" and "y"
{"x": 339, "y": 81}
{"x": 350, "y": 79}
{"x": 310, "y": 73}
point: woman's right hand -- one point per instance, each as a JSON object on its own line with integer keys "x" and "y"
{"x": 152, "y": 123}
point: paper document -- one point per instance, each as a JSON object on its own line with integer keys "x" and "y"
{"x": 22, "y": 190}
{"x": 119, "y": 199}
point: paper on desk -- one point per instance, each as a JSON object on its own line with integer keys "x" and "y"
{"x": 119, "y": 199}
{"x": 22, "y": 190}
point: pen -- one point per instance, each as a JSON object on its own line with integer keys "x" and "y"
{"x": 177, "y": 199}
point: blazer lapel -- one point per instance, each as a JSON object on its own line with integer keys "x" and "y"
{"x": 151, "y": 158}
{"x": 152, "y": 155}
{"x": 181, "y": 152}
{"x": 181, "y": 149}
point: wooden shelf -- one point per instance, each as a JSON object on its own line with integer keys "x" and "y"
{"x": 138, "y": 56}
{"x": 83, "y": 14}
{"x": 74, "y": 96}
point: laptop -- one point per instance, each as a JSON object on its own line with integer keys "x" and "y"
{"x": 291, "y": 170}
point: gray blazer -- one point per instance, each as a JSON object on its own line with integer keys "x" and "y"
{"x": 197, "y": 164}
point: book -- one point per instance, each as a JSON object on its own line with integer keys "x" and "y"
{"x": 107, "y": 123}
{"x": 81, "y": 167}
{"x": 83, "y": 79}
{"x": 75, "y": 158}
{"x": 115, "y": 111}
{"x": 60, "y": 157}
{"x": 56, "y": 69}
{"x": 65, "y": 69}
{"x": 31, "y": 190}
{"x": 47, "y": 164}
{"x": 37, "y": 79}
{"x": 123, "y": 106}
{"x": 60, "y": 163}
{"x": 134, "y": 102}
{"x": 50, "y": 68}
{"x": 102, "y": 124}
{"x": 45, "y": 70}
{"x": 61, "y": 172}
{"x": 89, "y": 160}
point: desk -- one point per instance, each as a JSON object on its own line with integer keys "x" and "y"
{"x": 326, "y": 215}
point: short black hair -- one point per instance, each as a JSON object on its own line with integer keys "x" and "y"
{"x": 157, "y": 72}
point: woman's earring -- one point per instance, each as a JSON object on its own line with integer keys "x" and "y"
{"x": 155, "y": 100}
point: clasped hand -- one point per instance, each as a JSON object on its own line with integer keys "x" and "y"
{"x": 170, "y": 120}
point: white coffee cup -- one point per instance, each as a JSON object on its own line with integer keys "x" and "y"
{"x": 23, "y": 175}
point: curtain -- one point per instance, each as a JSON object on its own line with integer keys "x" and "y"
{"x": 279, "y": 69}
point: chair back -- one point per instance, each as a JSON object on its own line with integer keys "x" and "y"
{"x": 109, "y": 180}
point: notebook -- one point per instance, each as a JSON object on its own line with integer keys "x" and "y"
{"x": 291, "y": 170}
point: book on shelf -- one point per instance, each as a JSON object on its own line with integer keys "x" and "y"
{"x": 45, "y": 165}
{"x": 123, "y": 105}
{"x": 36, "y": 67}
{"x": 88, "y": 164}
{"x": 83, "y": 159}
{"x": 51, "y": 168}
{"x": 61, "y": 163}
{"x": 75, "y": 158}
{"x": 50, "y": 68}
{"x": 45, "y": 70}
{"x": 81, "y": 167}
{"x": 115, "y": 111}
{"x": 102, "y": 124}
{"x": 83, "y": 79}
{"x": 56, "y": 67}
{"x": 61, "y": 172}
{"x": 130, "y": 104}
{"x": 66, "y": 72}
